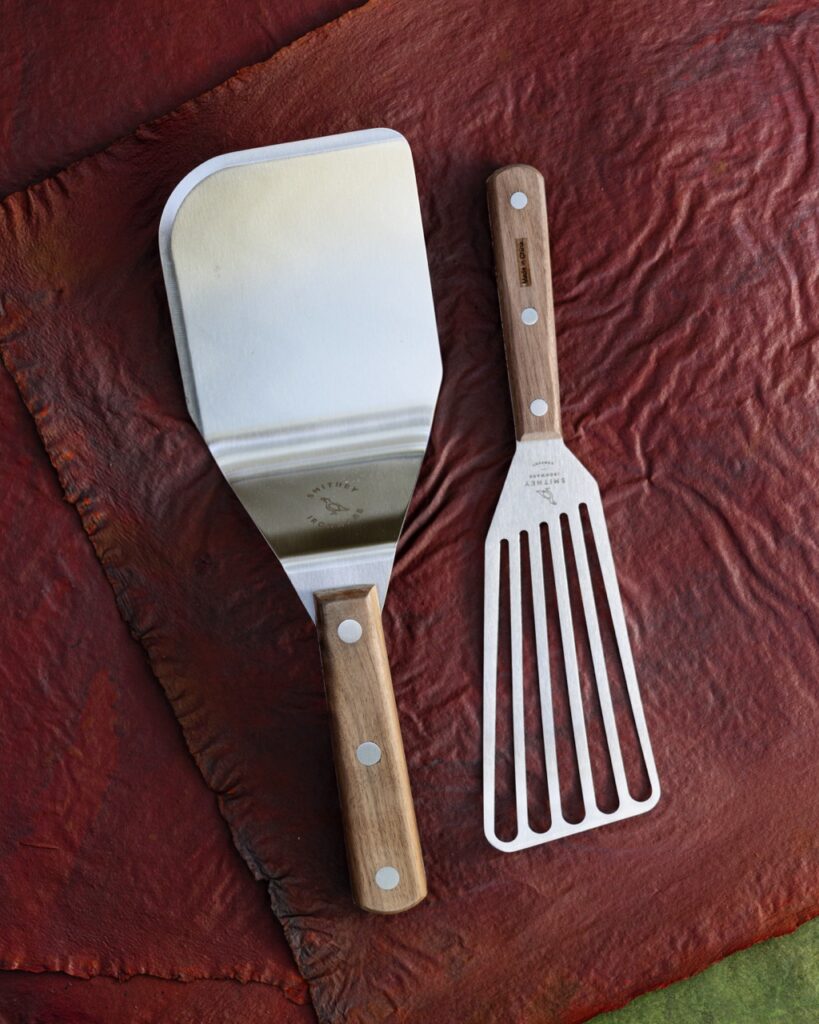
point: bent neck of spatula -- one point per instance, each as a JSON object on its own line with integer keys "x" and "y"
{"x": 520, "y": 238}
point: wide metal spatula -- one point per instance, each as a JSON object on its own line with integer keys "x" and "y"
{"x": 299, "y": 290}
{"x": 538, "y": 540}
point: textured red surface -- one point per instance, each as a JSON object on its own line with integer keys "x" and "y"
{"x": 113, "y": 857}
{"x": 77, "y": 74}
{"x": 56, "y": 999}
{"x": 676, "y": 147}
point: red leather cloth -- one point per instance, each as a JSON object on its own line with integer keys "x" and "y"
{"x": 114, "y": 858}
{"x": 676, "y": 147}
{"x": 76, "y": 74}
{"x": 57, "y": 999}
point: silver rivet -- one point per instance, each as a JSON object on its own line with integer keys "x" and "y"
{"x": 368, "y": 753}
{"x": 349, "y": 631}
{"x": 387, "y": 877}
{"x": 529, "y": 316}
{"x": 518, "y": 200}
{"x": 539, "y": 407}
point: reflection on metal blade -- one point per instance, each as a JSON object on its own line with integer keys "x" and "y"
{"x": 302, "y": 309}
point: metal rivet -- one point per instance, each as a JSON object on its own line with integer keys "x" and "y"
{"x": 387, "y": 877}
{"x": 349, "y": 631}
{"x": 518, "y": 200}
{"x": 368, "y": 753}
{"x": 539, "y": 407}
{"x": 529, "y": 316}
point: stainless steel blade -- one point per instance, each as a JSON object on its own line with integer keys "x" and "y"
{"x": 545, "y": 481}
{"x": 300, "y": 297}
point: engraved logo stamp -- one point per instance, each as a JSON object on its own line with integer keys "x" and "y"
{"x": 544, "y": 482}
{"x": 337, "y": 503}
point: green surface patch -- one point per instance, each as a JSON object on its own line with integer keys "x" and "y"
{"x": 775, "y": 982}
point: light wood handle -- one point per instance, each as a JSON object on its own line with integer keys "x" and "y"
{"x": 520, "y": 238}
{"x": 383, "y": 846}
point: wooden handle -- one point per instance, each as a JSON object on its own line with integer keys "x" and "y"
{"x": 383, "y": 847}
{"x": 520, "y": 238}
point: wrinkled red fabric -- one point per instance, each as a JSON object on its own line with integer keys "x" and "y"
{"x": 113, "y": 857}
{"x": 56, "y": 999}
{"x": 77, "y": 74}
{"x": 676, "y": 147}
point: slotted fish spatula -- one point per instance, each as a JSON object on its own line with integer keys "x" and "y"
{"x": 547, "y": 487}
{"x": 300, "y": 297}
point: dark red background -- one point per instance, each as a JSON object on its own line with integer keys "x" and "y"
{"x": 114, "y": 859}
{"x": 77, "y": 74}
{"x": 677, "y": 153}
